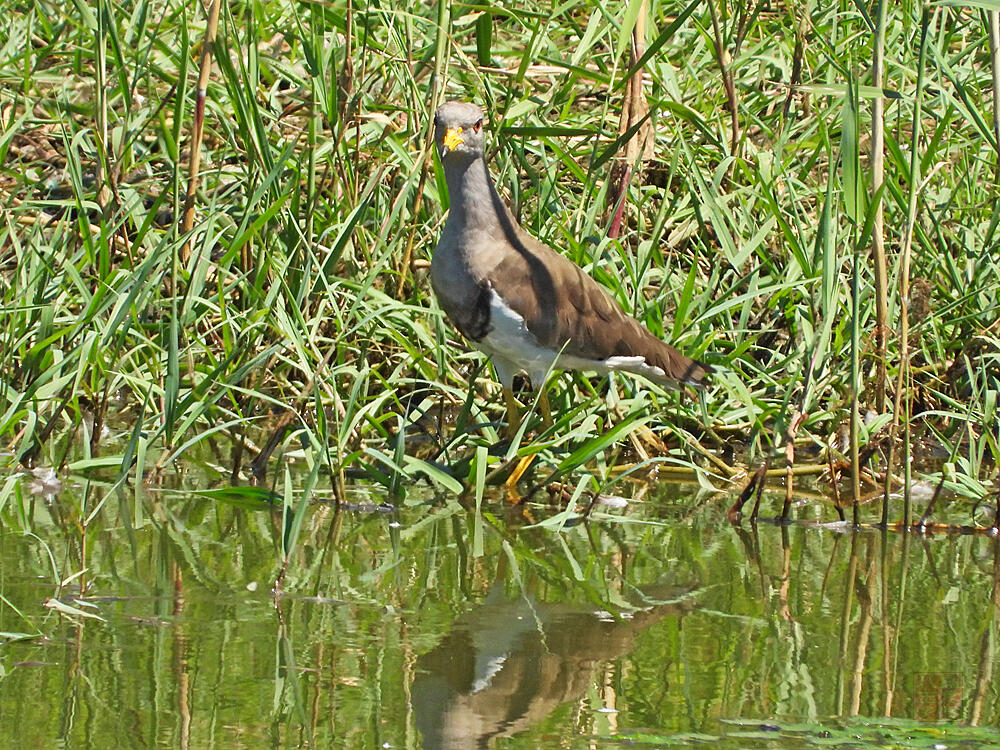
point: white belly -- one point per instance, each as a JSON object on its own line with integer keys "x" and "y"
{"x": 513, "y": 349}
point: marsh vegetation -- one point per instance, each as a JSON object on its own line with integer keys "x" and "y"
{"x": 752, "y": 236}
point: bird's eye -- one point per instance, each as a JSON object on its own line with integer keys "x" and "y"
{"x": 479, "y": 125}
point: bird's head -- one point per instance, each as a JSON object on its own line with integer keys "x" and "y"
{"x": 458, "y": 129}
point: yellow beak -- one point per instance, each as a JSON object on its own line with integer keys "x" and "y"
{"x": 452, "y": 137}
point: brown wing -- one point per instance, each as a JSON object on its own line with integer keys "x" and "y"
{"x": 562, "y": 305}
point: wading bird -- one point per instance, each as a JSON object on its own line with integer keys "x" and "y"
{"x": 519, "y": 301}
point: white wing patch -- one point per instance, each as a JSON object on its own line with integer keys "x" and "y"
{"x": 513, "y": 349}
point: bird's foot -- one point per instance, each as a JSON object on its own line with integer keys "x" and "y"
{"x": 647, "y": 443}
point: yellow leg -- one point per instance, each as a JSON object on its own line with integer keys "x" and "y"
{"x": 513, "y": 423}
{"x": 513, "y": 414}
{"x": 543, "y": 404}
{"x": 515, "y": 476}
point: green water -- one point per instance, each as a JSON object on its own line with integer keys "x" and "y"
{"x": 655, "y": 625}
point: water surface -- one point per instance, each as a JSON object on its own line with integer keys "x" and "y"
{"x": 439, "y": 627}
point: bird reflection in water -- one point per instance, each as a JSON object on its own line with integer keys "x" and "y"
{"x": 508, "y": 664}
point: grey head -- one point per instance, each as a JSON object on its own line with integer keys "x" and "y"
{"x": 458, "y": 130}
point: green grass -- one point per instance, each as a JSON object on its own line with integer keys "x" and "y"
{"x": 318, "y": 188}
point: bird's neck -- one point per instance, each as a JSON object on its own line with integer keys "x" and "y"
{"x": 475, "y": 202}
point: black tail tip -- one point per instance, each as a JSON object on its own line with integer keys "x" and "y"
{"x": 697, "y": 374}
